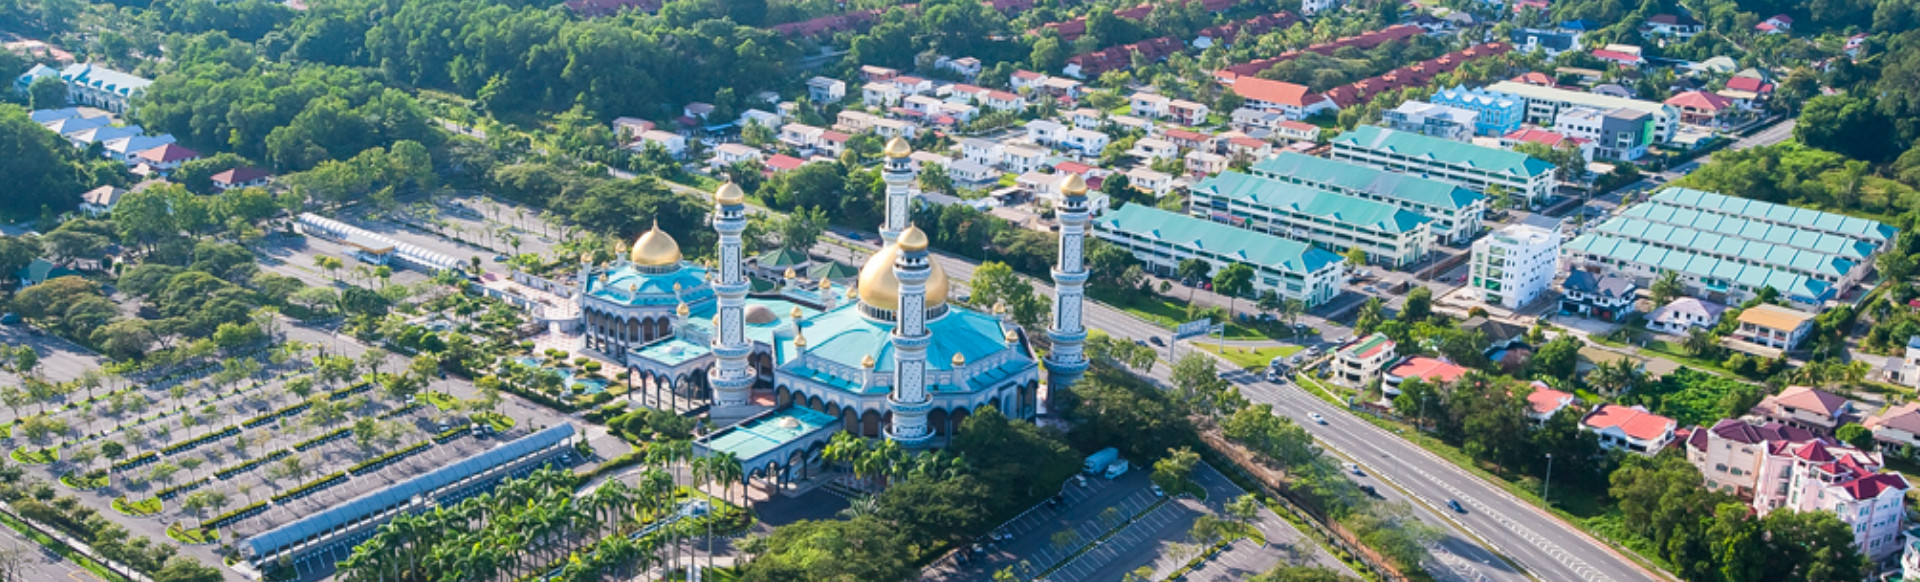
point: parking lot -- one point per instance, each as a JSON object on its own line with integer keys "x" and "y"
{"x": 1031, "y": 548}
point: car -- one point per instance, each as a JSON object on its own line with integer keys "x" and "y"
{"x": 1080, "y": 480}
{"x": 1158, "y": 492}
{"x": 1002, "y": 535}
{"x": 1053, "y": 501}
{"x": 1139, "y": 342}
{"x": 1316, "y": 418}
{"x": 499, "y": 258}
{"x": 1369, "y": 490}
{"x": 1355, "y": 469}
{"x": 1455, "y": 506}
{"x": 1155, "y": 340}
{"x": 10, "y": 319}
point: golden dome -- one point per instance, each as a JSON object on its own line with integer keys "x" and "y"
{"x": 825, "y": 284}
{"x": 1012, "y": 336}
{"x": 999, "y": 308}
{"x": 795, "y": 312}
{"x": 913, "y": 239}
{"x": 959, "y": 359}
{"x": 729, "y": 194}
{"x": 655, "y": 248}
{"x": 898, "y": 148}
{"x": 799, "y": 340}
{"x": 789, "y": 274}
{"x": 682, "y": 310}
{"x": 850, "y": 292}
{"x": 879, "y": 288}
{"x": 1075, "y": 186}
{"x": 867, "y": 362}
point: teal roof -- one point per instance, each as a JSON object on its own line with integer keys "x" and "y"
{"x": 759, "y": 435}
{"x": 1750, "y": 229}
{"x": 781, "y": 257}
{"x": 1840, "y": 224}
{"x": 1717, "y": 272}
{"x": 1349, "y": 177}
{"x": 1711, "y": 243}
{"x": 844, "y": 336}
{"x": 650, "y": 288}
{"x": 1226, "y": 243}
{"x": 1417, "y": 146}
{"x": 673, "y": 352}
{"x": 1339, "y": 208}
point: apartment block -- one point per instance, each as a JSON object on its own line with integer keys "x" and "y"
{"x": 1544, "y": 104}
{"x": 1457, "y": 213}
{"x": 1515, "y": 264}
{"x": 1161, "y": 239}
{"x": 1497, "y": 114}
{"x": 1479, "y": 168}
{"x": 1390, "y": 235}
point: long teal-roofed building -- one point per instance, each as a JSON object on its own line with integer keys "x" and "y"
{"x": 1161, "y": 239}
{"x": 1456, "y": 211}
{"x": 1726, "y": 249}
{"x": 1479, "y": 168}
{"x": 1389, "y": 234}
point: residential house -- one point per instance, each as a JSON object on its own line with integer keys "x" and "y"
{"x": 1149, "y": 181}
{"x": 123, "y": 150}
{"x": 1086, "y": 118}
{"x": 1898, "y": 428}
{"x": 40, "y": 271}
{"x": 1621, "y": 55}
{"x": 1776, "y": 24}
{"x": 630, "y": 128}
{"x": 675, "y": 144}
{"x": 1440, "y": 121}
{"x": 1088, "y": 142}
{"x": 1544, "y": 104}
{"x": 826, "y": 90}
{"x": 801, "y": 136}
{"x": 1248, "y": 149}
{"x": 241, "y": 177}
{"x": 167, "y": 158}
{"x": 1547, "y": 138}
{"x": 1297, "y": 131}
{"x": 1250, "y": 120}
{"x": 102, "y": 87}
{"x": 1312, "y": 7}
{"x": 70, "y": 125}
{"x": 832, "y": 142}
{"x": 1045, "y": 132}
{"x": 1750, "y": 90}
{"x": 1683, "y": 314}
{"x": 881, "y": 94}
{"x": 982, "y": 151}
{"x": 1363, "y": 361}
{"x": 875, "y": 73}
{"x": 1730, "y": 453}
{"x": 1289, "y": 99}
{"x": 920, "y": 160}
{"x": 1186, "y": 112}
{"x": 697, "y": 111}
{"x": 1819, "y": 476}
{"x": 1002, "y": 101}
{"x": 967, "y": 67}
{"x": 1617, "y": 134}
{"x": 99, "y": 201}
{"x": 971, "y": 174}
{"x": 1549, "y": 42}
{"x": 1630, "y": 428}
{"x": 1808, "y": 408}
{"x": 1433, "y": 371}
{"x": 25, "y": 80}
{"x": 780, "y": 163}
{"x": 1607, "y": 297}
{"x": 1022, "y": 159}
{"x": 1154, "y": 149}
{"x": 1671, "y": 25}
{"x": 85, "y": 137}
{"x": 1774, "y": 326}
{"x": 766, "y": 119}
{"x": 1192, "y": 140}
{"x": 1205, "y": 163}
{"x": 1614, "y": 90}
{"x": 1148, "y": 104}
{"x": 1024, "y": 80}
{"x": 1544, "y": 402}
{"x": 1700, "y": 107}
{"x": 728, "y": 154}
{"x": 910, "y": 85}
{"x": 1515, "y": 265}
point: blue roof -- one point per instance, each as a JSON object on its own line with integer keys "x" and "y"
{"x": 845, "y": 336}
{"x": 1326, "y": 206}
{"x": 365, "y": 505}
{"x": 650, "y": 288}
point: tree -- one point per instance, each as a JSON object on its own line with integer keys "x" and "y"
{"x": 1856, "y": 435}
{"x": 47, "y": 92}
{"x": 800, "y": 230}
{"x": 1419, "y": 305}
{"x": 1557, "y": 358}
{"x": 1371, "y": 313}
{"x": 1191, "y": 272}
{"x": 1174, "y": 473}
{"x": 1356, "y": 256}
{"x": 995, "y": 283}
{"x": 1235, "y": 281}
{"x": 39, "y": 165}
{"x": 1849, "y": 125}
{"x": 1667, "y": 287}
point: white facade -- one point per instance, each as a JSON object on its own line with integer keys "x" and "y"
{"x": 1088, "y": 142}
{"x": 823, "y": 90}
{"x": 1154, "y": 149}
{"x": 1515, "y": 264}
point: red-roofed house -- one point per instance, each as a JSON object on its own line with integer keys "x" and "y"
{"x": 1547, "y": 138}
{"x": 1192, "y": 140}
{"x": 1813, "y": 409}
{"x": 1730, "y": 453}
{"x": 1700, "y": 107}
{"x": 1299, "y": 131}
{"x": 1777, "y": 24}
{"x": 1623, "y": 59}
{"x": 1544, "y": 402}
{"x": 783, "y": 163}
{"x": 1430, "y": 370}
{"x": 1535, "y": 78}
{"x": 1361, "y": 361}
{"x": 166, "y": 158}
{"x": 1747, "y": 92}
{"x": 241, "y": 177}
{"x": 1819, "y": 475}
{"x": 1292, "y": 100}
{"x": 1249, "y": 148}
{"x": 1630, "y": 428}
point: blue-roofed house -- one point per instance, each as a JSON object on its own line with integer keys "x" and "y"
{"x": 25, "y": 80}
{"x": 102, "y": 87}
{"x": 1499, "y": 114}
{"x": 40, "y": 271}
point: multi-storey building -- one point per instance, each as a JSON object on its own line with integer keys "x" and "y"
{"x": 102, "y": 87}
{"x": 1497, "y": 114}
{"x": 1442, "y": 121}
{"x": 1730, "y": 453}
{"x": 1161, "y": 239}
{"x": 1479, "y": 168}
{"x": 1774, "y": 326}
{"x": 1812, "y": 409}
{"x": 1545, "y": 103}
{"x": 1388, "y": 234}
{"x": 1618, "y": 134}
{"x": 1515, "y": 264}
{"x": 1845, "y": 481}
{"x": 1457, "y": 213}
{"x": 1362, "y": 361}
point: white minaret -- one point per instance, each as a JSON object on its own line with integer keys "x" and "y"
{"x": 732, "y": 379}
{"x": 898, "y": 175}
{"x": 909, "y": 400}
{"x": 1067, "y": 360}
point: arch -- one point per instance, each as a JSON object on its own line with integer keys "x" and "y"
{"x": 959, "y": 415}
{"x": 782, "y": 397}
{"x": 833, "y": 409}
{"x": 1029, "y": 398}
{"x": 850, "y": 421}
{"x": 870, "y": 423}
{"x": 797, "y": 460}
{"x": 633, "y": 329}
{"x": 662, "y": 327}
{"x": 813, "y": 402}
{"x": 937, "y": 420}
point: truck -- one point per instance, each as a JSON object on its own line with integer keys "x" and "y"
{"x": 1098, "y": 462}
{"x": 1117, "y": 468}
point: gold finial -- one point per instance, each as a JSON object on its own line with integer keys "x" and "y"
{"x": 1000, "y": 307}
{"x": 852, "y": 292}
{"x": 1075, "y": 186}
{"x": 1012, "y": 336}
{"x": 799, "y": 340}
{"x": 795, "y": 312}
{"x": 682, "y": 310}
{"x": 959, "y": 359}
{"x": 826, "y": 284}
{"x": 676, "y": 287}
{"x": 789, "y": 274}
{"x": 898, "y": 148}
{"x": 913, "y": 239}
{"x": 729, "y": 194}
{"x": 867, "y": 362}
{"x": 586, "y": 258}
{"x": 633, "y": 287}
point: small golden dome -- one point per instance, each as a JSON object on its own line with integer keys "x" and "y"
{"x": 1075, "y": 186}
{"x": 999, "y": 307}
{"x": 789, "y": 274}
{"x": 880, "y": 289}
{"x": 867, "y": 362}
{"x": 959, "y": 359}
{"x": 799, "y": 340}
{"x": 913, "y": 239}
{"x": 676, "y": 287}
{"x": 655, "y": 248}
{"x": 851, "y": 293}
{"x": 633, "y": 287}
{"x": 825, "y": 284}
{"x": 898, "y": 148}
{"x": 586, "y": 258}
{"x": 729, "y": 194}
{"x": 682, "y": 310}
{"x": 1012, "y": 336}
{"x": 795, "y": 312}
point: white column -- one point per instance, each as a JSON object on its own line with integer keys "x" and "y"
{"x": 1068, "y": 361}
{"x": 732, "y": 379}
{"x": 898, "y": 176}
{"x": 909, "y": 400}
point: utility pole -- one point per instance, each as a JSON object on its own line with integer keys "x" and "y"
{"x": 1548, "y": 482}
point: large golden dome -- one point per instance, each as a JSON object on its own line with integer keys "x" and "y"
{"x": 729, "y": 194}
{"x": 880, "y": 289}
{"x": 655, "y": 248}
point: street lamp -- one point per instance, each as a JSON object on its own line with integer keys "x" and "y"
{"x": 1548, "y": 482}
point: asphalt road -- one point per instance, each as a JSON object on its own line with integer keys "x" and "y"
{"x": 39, "y": 564}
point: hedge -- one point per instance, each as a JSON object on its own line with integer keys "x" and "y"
{"x": 335, "y": 435}
{"x": 232, "y": 470}
{"x": 400, "y": 411}
{"x": 171, "y": 492}
{"x": 136, "y": 461}
{"x": 230, "y": 517}
{"x": 343, "y": 393}
{"x": 182, "y": 447}
{"x": 376, "y": 463}
{"x": 311, "y": 487}
{"x": 448, "y": 435}
{"x": 290, "y": 410}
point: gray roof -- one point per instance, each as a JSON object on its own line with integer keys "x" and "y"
{"x": 399, "y": 493}
{"x": 1610, "y": 285}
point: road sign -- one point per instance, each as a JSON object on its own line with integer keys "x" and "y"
{"x": 1189, "y": 329}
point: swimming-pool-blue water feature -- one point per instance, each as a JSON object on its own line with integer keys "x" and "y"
{"x": 589, "y": 385}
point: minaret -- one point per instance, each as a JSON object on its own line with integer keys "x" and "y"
{"x": 732, "y": 379}
{"x": 910, "y": 401}
{"x": 1066, "y": 362}
{"x": 898, "y": 175}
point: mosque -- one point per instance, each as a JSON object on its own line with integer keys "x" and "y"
{"x": 887, "y": 356}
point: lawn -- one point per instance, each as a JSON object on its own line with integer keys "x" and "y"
{"x": 87, "y": 482}
{"x": 30, "y": 456}
{"x": 1256, "y": 358}
{"x": 1164, "y": 312}
{"x": 143, "y": 507}
{"x": 441, "y": 400}
{"x": 499, "y": 422}
{"x": 191, "y": 536}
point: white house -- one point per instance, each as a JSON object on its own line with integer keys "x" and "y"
{"x": 100, "y": 201}
{"x": 982, "y": 151}
{"x": 824, "y": 90}
{"x": 1045, "y": 132}
{"x": 1630, "y": 428}
{"x": 1149, "y": 104}
{"x": 969, "y": 173}
{"x": 1199, "y": 162}
{"x": 880, "y": 94}
{"x": 1154, "y": 149}
{"x": 1088, "y": 142}
{"x": 728, "y": 154}
{"x": 675, "y": 144}
{"x": 1022, "y": 159}
{"x": 1683, "y": 314}
{"x": 1146, "y": 180}
{"x": 766, "y": 119}
{"x": 801, "y": 136}
{"x": 122, "y": 150}
{"x": 1362, "y": 361}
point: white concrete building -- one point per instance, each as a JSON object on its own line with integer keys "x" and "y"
{"x": 1514, "y": 265}
{"x": 1362, "y": 361}
{"x": 824, "y": 90}
{"x": 1154, "y": 149}
{"x": 1545, "y": 103}
{"x": 1479, "y": 168}
{"x": 1086, "y": 141}
{"x": 1680, "y": 316}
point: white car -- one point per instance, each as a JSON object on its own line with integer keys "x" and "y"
{"x": 1355, "y": 469}
{"x": 1316, "y": 418}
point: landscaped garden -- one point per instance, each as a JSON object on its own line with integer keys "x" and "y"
{"x": 89, "y": 481}
{"x": 145, "y": 506}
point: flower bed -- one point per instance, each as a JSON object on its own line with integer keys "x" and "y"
{"x": 198, "y": 536}
{"x": 230, "y": 517}
{"x": 335, "y": 435}
{"x": 230, "y": 471}
{"x": 171, "y": 492}
{"x": 28, "y": 456}
{"x": 376, "y": 463}
{"x": 92, "y": 480}
{"x": 448, "y": 435}
{"x": 181, "y": 447}
{"x": 276, "y": 415}
{"x": 136, "y": 461}
{"x": 311, "y": 487}
{"x": 141, "y": 508}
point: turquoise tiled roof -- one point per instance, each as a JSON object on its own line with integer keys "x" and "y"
{"x": 1803, "y": 260}
{"x": 1804, "y": 218}
{"x": 1800, "y": 287}
{"x": 755, "y": 437}
{"x": 1344, "y": 176}
{"x": 1338, "y": 208}
{"x": 1414, "y": 145}
{"x": 1737, "y": 226}
{"x": 651, "y": 288}
{"x": 844, "y": 336}
{"x": 1219, "y": 240}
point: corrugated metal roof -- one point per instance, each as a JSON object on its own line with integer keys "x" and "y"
{"x": 1848, "y": 226}
{"x": 1414, "y": 145}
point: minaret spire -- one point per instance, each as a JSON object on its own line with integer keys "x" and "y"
{"x": 732, "y": 379}
{"x": 898, "y": 175}
{"x": 910, "y": 400}
{"x": 1067, "y": 360}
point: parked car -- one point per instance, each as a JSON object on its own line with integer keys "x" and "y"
{"x": 1158, "y": 492}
